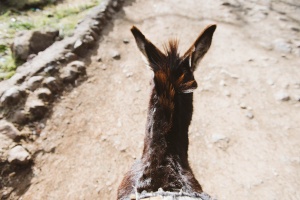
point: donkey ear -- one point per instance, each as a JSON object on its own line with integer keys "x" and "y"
{"x": 200, "y": 46}
{"x": 152, "y": 54}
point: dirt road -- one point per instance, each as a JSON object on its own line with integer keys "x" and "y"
{"x": 244, "y": 140}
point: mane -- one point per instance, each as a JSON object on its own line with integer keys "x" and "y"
{"x": 170, "y": 58}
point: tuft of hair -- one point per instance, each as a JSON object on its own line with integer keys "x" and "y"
{"x": 171, "y": 52}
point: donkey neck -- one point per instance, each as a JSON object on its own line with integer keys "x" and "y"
{"x": 167, "y": 125}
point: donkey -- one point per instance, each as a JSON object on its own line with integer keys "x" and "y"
{"x": 164, "y": 164}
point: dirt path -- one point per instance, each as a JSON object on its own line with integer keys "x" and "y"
{"x": 96, "y": 131}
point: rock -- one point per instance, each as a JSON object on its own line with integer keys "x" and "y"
{"x": 79, "y": 65}
{"x": 32, "y": 42}
{"x": 52, "y": 84}
{"x": 249, "y": 115}
{"x": 115, "y": 55}
{"x": 295, "y": 29}
{"x": 125, "y": 41}
{"x": 72, "y": 71}
{"x": 282, "y": 96}
{"x": 20, "y": 117}
{"x": 36, "y": 108}
{"x": 282, "y": 46}
{"x": 8, "y": 129}
{"x": 270, "y": 82}
{"x": 222, "y": 83}
{"x": 70, "y": 56}
{"x": 243, "y": 106}
{"x": 99, "y": 59}
{"x": 18, "y": 155}
{"x": 51, "y": 69}
{"x": 218, "y": 137}
{"x": 34, "y": 82}
{"x": 44, "y": 94}
{"x": 227, "y": 93}
{"x": 12, "y": 96}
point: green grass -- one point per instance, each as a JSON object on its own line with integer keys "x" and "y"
{"x": 63, "y": 17}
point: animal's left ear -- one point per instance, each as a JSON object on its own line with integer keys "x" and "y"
{"x": 197, "y": 51}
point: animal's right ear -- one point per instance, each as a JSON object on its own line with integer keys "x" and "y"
{"x": 152, "y": 54}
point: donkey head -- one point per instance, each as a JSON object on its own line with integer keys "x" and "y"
{"x": 172, "y": 71}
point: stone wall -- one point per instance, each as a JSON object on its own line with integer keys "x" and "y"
{"x": 27, "y": 97}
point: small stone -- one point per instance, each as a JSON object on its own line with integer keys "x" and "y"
{"x": 295, "y": 29}
{"x": 103, "y": 67}
{"x": 243, "y": 106}
{"x": 227, "y": 93}
{"x": 218, "y": 137}
{"x": 282, "y": 46}
{"x": 51, "y": 69}
{"x": 44, "y": 94}
{"x": 99, "y": 59}
{"x": 282, "y": 96}
{"x": 52, "y": 84}
{"x": 129, "y": 74}
{"x": 20, "y": 117}
{"x": 250, "y": 115}
{"x": 36, "y": 108}
{"x": 8, "y": 129}
{"x": 77, "y": 44}
{"x": 79, "y": 65}
{"x": 70, "y": 56}
{"x": 125, "y": 41}
{"x": 12, "y": 96}
{"x": 226, "y": 4}
{"x": 270, "y": 82}
{"x": 115, "y": 4}
{"x": 115, "y": 55}
{"x": 34, "y": 82}
{"x": 222, "y": 83}
{"x": 69, "y": 74}
{"x": 18, "y": 155}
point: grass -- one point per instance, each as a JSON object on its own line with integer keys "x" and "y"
{"x": 63, "y": 17}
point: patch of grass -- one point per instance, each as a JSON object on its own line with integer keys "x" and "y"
{"x": 3, "y": 48}
{"x": 68, "y": 11}
{"x": 64, "y": 16}
{"x": 21, "y": 25}
{"x": 8, "y": 64}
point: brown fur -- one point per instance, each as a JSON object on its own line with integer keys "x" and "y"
{"x": 164, "y": 163}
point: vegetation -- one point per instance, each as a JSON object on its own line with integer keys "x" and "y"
{"x": 61, "y": 16}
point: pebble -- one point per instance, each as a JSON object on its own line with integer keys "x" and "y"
{"x": 295, "y": 29}
{"x": 218, "y": 137}
{"x": 115, "y": 55}
{"x": 34, "y": 82}
{"x": 52, "y": 84}
{"x": 36, "y": 108}
{"x": 44, "y": 94}
{"x": 70, "y": 56}
{"x": 20, "y": 117}
{"x": 282, "y": 96}
{"x": 79, "y": 65}
{"x": 227, "y": 93}
{"x": 12, "y": 96}
{"x": 243, "y": 106}
{"x": 270, "y": 82}
{"x": 8, "y": 129}
{"x": 18, "y": 155}
{"x": 125, "y": 41}
{"x": 250, "y": 115}
{"x": 282, "y": 46}
{"x": 222, "y": 83}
